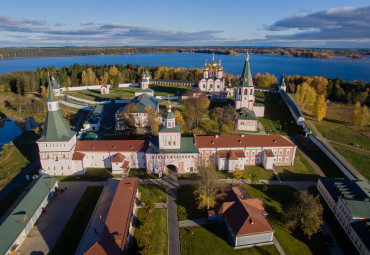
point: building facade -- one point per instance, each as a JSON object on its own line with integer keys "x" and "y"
{"x": 212, "y": 80}
{"x": 144, "y": 86}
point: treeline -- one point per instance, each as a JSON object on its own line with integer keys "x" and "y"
{"x": 24, "y": 82}
{"x": 33, "y": 52}
{"x": 347, "y": 92}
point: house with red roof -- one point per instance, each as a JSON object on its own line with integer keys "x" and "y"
{"x": 245, "y": 219}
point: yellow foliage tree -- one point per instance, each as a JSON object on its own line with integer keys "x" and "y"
{"x": 179, "y": 119}
{"x": 238, "y": 174}
{"x": 320, "y": 107}
{"x": 84, "y": 78}
{"x": 356, "y": 117}
{"x": 364, "y": 116}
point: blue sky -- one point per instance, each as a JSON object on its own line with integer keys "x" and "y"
{"x": 299, "y": 23}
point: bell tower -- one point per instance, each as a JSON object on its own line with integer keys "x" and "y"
{"x": 244, "y": 96}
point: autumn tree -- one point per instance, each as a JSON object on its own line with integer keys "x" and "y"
{"x": 196, "y": 106}
{"x": 208, "y": 189}
{"x": 356, "y": 116}
{"x": 364, "y": 116}
{"x": 225, "y": 117}
{"x": 153, "y": 120}
{"x": 179, "y": 119}
{"x": 320, "y": 107}
{"x": 149, "y": 206}
{"x": 265, "y": 80}
{"x": 304, "y": 213}
{"x": 128, "y": 119}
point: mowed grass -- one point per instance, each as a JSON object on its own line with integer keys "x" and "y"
{"x": 94, "y": 94}
{"x": 263, "y": 174}
{"x": 359, "y": 159}
{"x": 187, "y": 206}
{"x": 155, "y": 193}
{"x": 12, "y": 162}
{"x": 141, "y": 174}
{"x": 158, "y": 238}
{"x": 169, "y": 90}
{"x": 301, "y": 170}
{"x": 75, "y": 228}
{"x": 276, "y": 199}
{"x": 212, "y": 239}
{"x": 266, "y": 125}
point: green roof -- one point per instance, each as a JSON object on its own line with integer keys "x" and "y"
{"x": 14, "y": 224}
{"x": 55, "y": 128}
{"x": 356, "y": 194}
{"x": 51, "y": 97}
{"x": 90, "y": 136}
{"x": 246, "y": 114}
{"x": 187, "y": 146}
{"x": 169, "y": 115}
{"x": 95, "y": 114}
{"x": 246, "y": 77}
{"x": 54, "y": 83}
{"x": 143, "y": 101}
{"x": 282, "y": 84}
{"x": 176, "y": 129}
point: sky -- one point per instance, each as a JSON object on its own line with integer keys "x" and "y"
{"x": 283, "y": 23}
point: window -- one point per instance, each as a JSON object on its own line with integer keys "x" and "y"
{"x": 288, "y": 151}
{"x": 246, "y": 92}
{"x": 169, "y": 142}
{"x": 280, "y": 152}
{"x": 218, "y": 86}
{"x": 251, "y": 92}
{"x": 204, "y": 86}
{"x": 286, "y": 159}
{"x": 275, "y": 152}
{"x": 279, "y": 159}
{"x": 253, "y": 152}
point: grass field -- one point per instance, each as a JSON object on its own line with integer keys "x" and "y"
{"x": 12, "y": 162}
{"x": 91, "y": 174}
{"x": 301, "y": 170}
{"x": 187, "y": 206}
{"x": 141, "y": 174}
{"x": 212, "y": 239}
{"x": 156, "y": 193}
{"x": 262, "y": 173}
{"x": 359, "y": 159}
{"x": 276, "y": 199}
{"x": 73, "y": 232}
{"x": 158, "y": 238}
{"x": 266, "y": 125}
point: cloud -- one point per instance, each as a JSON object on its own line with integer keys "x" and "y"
{"x": 87, "y": 23}
{"x": 347, "y": 23}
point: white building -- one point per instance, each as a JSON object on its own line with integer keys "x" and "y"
{"x": 144, "y": 86}
{"x": 212, "y": 80}
{"x": 104, "y": 89}
{"x": 94, "y": 118}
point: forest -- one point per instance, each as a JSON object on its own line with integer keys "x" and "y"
{"x": 33, "y": 52}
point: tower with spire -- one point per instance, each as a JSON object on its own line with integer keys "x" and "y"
{"x": 169, "y": 134}
{"x": 244, "y": 96}
{"x": 57, "y": 141}
{"x": 282, "y": 85}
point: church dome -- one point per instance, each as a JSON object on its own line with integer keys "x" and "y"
{"x": 206, "y": 68}
{"x": 213, "y": 64}
{"x": 220, "y": 68}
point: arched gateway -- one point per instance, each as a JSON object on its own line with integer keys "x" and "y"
{"x": 171, "y": 169}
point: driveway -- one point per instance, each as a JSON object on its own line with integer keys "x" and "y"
{"x": 50, "y": 225}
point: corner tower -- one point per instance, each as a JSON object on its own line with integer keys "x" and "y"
{"x": 57, "y": 141}
{"x": 169, "y": 134}
{"x": 244, "y": 96}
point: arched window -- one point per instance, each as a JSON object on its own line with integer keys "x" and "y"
{"x": 246, "y": 92}
{"x": 251, "y": 93}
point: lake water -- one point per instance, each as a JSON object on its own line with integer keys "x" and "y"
{"x": 10, "y": 129}
{"x": 341, "y": 67}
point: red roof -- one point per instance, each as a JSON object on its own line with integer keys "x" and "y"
{"x": 112, "y": 146}
{"x": 118, "y": 158}
{"x": 245, "y": 216}
{"x": 233, "y": 154}
{"x": 117, "y": 224}
{"x": 105, "y": 85}
{"x": 239, "y": 141}
{"x": 78, "y": 156}
{"x": 269, "y": 153}
{"x": 125, "y": 164}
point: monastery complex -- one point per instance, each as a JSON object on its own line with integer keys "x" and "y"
{"x": 62, "y": 154}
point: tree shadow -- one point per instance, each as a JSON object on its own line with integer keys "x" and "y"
{"x": 289, "y": 175}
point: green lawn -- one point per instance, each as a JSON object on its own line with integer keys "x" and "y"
{"x": 212, "y": 239}
{"x": 275, "y": 199}
{"x": 91, "y": 174}
{"x": 266, "y": 125}
{"x": 12, "y": 162}
{"x": 158, "y": 238}
{"x": 301, "y": 170}
{"x": 345, "y": 133}
{"x": 141, "y": 174}
{"x": 187, "y": 205}
{"x": 188, "y": 176}
{"x": 169, "y": 90}
{"x": 359, "y": 159}
{"x": 338, "y": 232}
{"x": 73, "y": 232}
{"x": 156, "y": 193}
{"x": 94, "y": 95}
{"x": 262, "y": 173}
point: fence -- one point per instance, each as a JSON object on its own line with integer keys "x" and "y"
{"x": 75, "y": 105}
{"x": 122, "y": 85}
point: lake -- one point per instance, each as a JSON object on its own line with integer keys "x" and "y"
{"x": 10, "y": 129}
{"x": 342, "y": 67}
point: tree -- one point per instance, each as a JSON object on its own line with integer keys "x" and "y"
{"x": 208, "y": 189}
{"x": 225, "y": 117}
{"x": 320, "y": 107}
{"x": 84, "y": 78}
{"x": 128, "y": 118}
{"x": 196, "y": 105}
{"x": 364, "y": 116}
{"x": 304, "y": 213}
{"x": 149, "y": 206}
{"x": 238, "y": 174}
{"x": 148, "y": 225}
{"x": 153, "y": 120}
{"x": 356, "y": 117}
{"x": 179, "y": 119}
{"x": 255, "y": 178}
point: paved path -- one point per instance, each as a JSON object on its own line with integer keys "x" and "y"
{"x": 278, "y": 246}
{"x": 194, "y": 222}
{"x": 19, "y": 182}
{"x": 335, "y": 152}
{"x": 50, "y": 225}
{"x": 172, "y": 215}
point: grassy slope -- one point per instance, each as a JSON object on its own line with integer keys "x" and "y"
{"x": 12, "y": 163}
{"x": 212, "y": 239}
{"x": 72, "y": 233}
{"x": 358, "y": 159}
{"x": 158, "y": 237}
{"x": 275, "y": 199}
{"x": 156, "y": 193}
